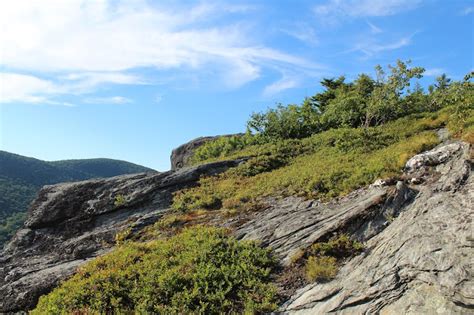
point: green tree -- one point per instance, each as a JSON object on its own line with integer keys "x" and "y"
{"x": 331, "y": 85}
{"x": 286, "y": 122}
{"x": 385, "y": 102}
{"x": 442, "y": 82}
{"x": 348, "y": 107}
{"x": 347, "y": 110}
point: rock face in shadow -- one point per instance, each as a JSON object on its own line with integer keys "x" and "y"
{"x": 71, "y": 223}
{"x": 420, "y": 245}
{"x": 181, "y": 155}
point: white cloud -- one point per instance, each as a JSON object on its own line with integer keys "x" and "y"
{"x": 372, "y": 48}
{"x": 334, "y": 10}
{"x": 94, "y": 42}
{"x": 285, "y": 83}
{"x": 79, "y": 83}
{"x": 108, "y": 100}
{"x": 94, "y": 78}
{"x": 25, "y": 88}
{"x": 373, "y": 28}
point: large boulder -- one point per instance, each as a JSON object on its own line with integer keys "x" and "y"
{"x": 181, "y": 156}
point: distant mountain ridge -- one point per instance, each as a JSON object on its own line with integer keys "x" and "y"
{"x": 21, "y": 177}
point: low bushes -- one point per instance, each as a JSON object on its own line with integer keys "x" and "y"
{"x": 324, "y": 257}
{"x": 321, "y": 268}
{"x": 201, "y": 270}
{"x": 326, "y": 165}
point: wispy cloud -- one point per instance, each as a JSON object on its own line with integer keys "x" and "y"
{"x": 371, "y": 48}
{"x": 89, "y": 43}
{"x": 108, "y": 100}
{"x": 302, "y": 32}
{"x": 285, "y": 83}
{"x": 25, "y": 88}
{"x": 86, "y": 82}
{"x": 373, "y": 28}
{"x": 94, "y": 78}
{"x": 334, "y": 10}
{"x": 467, "y": 10}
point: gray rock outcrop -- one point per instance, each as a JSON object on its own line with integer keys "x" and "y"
{"x": 293, "y": 224}
{"x": 421, "y": 262}
{"x": 71, "y": 223}
{"x": 181, "y": 155}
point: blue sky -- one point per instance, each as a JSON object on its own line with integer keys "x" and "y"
{"x": 133, "y": 79}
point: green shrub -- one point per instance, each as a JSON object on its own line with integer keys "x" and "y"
{"x": 222, "y": 146}
{"x": 324, "y": 257}
{"x": 119, "y": 200}
{"x": 325, "y": 165}
{"x": 338, "y": 247}
{"x": 201, "y": 270}
{"x": 286, "y": 122}
{"x": 321, "y": 268}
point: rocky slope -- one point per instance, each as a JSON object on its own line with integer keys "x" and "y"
{"x": 22, "y": 177}
{"x": 417, "y": 230}
{"x": 419, "y": 241}
{"x": 71, "y": 223}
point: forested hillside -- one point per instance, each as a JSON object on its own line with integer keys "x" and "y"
{"x": 21, "y": 177}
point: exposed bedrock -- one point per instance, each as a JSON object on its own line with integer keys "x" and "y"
{"x": 181, "y": 156}
{"x": 71, "y": 223}
{"x": 420, "y": 245}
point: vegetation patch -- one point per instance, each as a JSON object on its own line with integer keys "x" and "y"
{"x": 323, "y": 258}
{"x": 325, "y": 165}
{"x": 321, "y": 268}
{"x": 338, "y": 140}
{"x": 338, "y": 247}
{"x": 119, "y": 200}
{"x": 200, "y": 270}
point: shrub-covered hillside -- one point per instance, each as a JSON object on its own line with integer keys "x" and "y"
{"x": 199, "y": 271}
{"x": 343, "y": 138}
{"x": 21, "y": 177}
{"x": 336, "y": 141}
